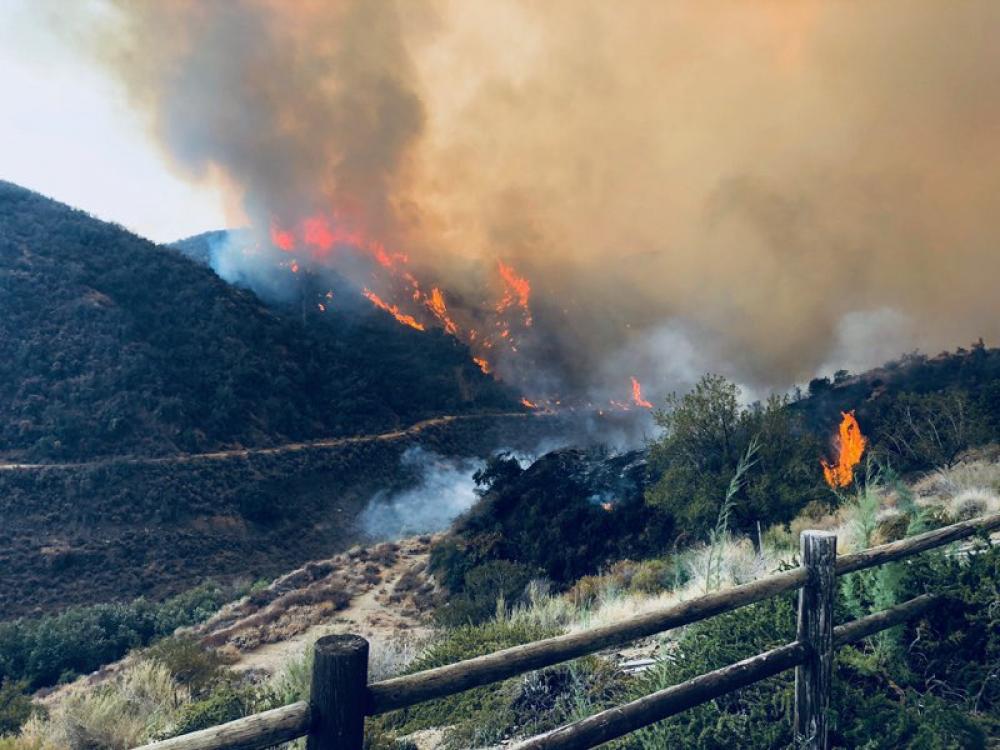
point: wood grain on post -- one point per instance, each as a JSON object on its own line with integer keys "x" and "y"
{"x": 814, "y": 677}
{"x": 339, "y": 693}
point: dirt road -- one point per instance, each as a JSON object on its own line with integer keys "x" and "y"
{"x": 181, "y": 458}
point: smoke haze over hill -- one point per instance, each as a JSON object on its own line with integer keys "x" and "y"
{"x": 763, "y": 189}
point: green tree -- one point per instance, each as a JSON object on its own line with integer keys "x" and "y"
{"x": 705, "y": 432}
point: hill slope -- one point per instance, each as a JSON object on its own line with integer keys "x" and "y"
{"x": 110, "y": 344}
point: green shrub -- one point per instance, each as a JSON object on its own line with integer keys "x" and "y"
{"x": 191, "y": 664}
{"x": 464, "y": 643}
{"x": 15, "y": 706}
{"x": 81, "y": 639}
{"x": 497, "y": 584}
{"x": 226, "y": 702}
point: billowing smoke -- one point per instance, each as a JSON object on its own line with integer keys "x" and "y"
{"x": 753, "y": 187}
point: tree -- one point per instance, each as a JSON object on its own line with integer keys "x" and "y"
{"x": 931, "y": 429}
{"x": 705, "y": 434}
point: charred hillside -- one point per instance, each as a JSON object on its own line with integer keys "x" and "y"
{"x": 110, "y": 344}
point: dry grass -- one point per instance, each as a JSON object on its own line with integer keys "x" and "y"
{"x": 140, "y": 704}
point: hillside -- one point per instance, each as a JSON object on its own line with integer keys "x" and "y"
{"x": 110, "y": 344}
{"x": 927, "y": 684}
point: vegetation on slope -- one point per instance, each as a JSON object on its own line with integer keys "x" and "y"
{"x": 930, "y": 684}
{"x": 574, "y": 512}
{"x": 110, "y": 344}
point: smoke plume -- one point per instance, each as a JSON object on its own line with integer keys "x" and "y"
{"x": 729, "y": 185}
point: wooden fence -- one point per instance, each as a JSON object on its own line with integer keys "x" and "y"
{"x": 341, "y": 696}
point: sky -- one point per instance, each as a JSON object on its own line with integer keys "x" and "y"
{"x": 67, "y": 131}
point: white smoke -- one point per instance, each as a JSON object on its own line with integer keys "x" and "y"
{"x": 444, "y": 491}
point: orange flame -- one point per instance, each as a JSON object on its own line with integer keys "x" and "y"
{"x": 517, "y": 290}
{"x": 440, "y": 310}
{"x": 313, "y": 238}
{"x": 402, "y": 317}
{"x": 850, "y": 447}
{"x": 608, "y": 507}
{"x": 529, "y": 404}
{"x": 637, "y": 398}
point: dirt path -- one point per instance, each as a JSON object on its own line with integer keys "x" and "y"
{"x": 183, "y": 458}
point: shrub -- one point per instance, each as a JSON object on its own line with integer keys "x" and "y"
{"x": 706, "y": 433}
{"x": 192, "y": 665}
{"x": 464, "y": 643}
{"x": 44, "y": 651}
{"x": 15, "y": 706}
{"x": 139, "y": 705}
{"x": 492, "y": 586}
{"x": 226, "y": 702}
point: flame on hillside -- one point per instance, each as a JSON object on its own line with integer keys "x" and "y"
{"x": 329, "y": 239}
{"x": 406, "y": 320}
{"x": 637, "y": 398}
{"x": 850, "y": 447}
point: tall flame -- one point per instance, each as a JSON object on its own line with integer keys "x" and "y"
{"x": 440, "y": 310}
{"x": 637, "y": 398}
{"x": 517, "y": 291}
{"x": 850, "y": 447}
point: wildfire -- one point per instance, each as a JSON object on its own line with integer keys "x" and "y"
{"x": 850, "y": 447}
{"x": 517, "y": 291}
{"x": 440, "y": 310}
{"x": 282, "y": 240}
{"x": 529, "y": 404}
{"x": 403, "y": 318}
{"x": 400, "y": 293}
{"x": 608, "y": 507}
{"x": 637, "y": 398}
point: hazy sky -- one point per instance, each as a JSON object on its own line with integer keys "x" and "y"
{"x": 67, "y": 132}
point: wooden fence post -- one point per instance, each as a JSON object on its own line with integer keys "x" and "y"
{"x": 815, "y": 630}
{"x": 339, "y": 693}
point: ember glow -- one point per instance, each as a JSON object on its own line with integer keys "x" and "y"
{"x": 637, "y": 398}
{"x": 850, "y": 447}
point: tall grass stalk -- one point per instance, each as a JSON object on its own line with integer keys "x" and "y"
{"x": 718, "y": 535}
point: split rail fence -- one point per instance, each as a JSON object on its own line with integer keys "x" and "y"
{"x": 341, "y": 696}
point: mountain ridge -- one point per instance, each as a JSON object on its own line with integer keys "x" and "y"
{"x": 110, "y": 344}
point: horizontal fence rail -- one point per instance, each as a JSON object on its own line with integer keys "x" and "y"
{"x": 400, "y": 692}
{"x": 261, "y": 730}
{"x": 621, "y": 720}
{"x": 313, "y": 720}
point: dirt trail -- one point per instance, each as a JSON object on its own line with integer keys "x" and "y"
{"x": 383, "y": 593}
{"x": 223, "y": 455}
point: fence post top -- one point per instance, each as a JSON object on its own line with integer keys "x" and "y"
{"x": 330, "y": 644}
{"x": 818, "y": 534}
